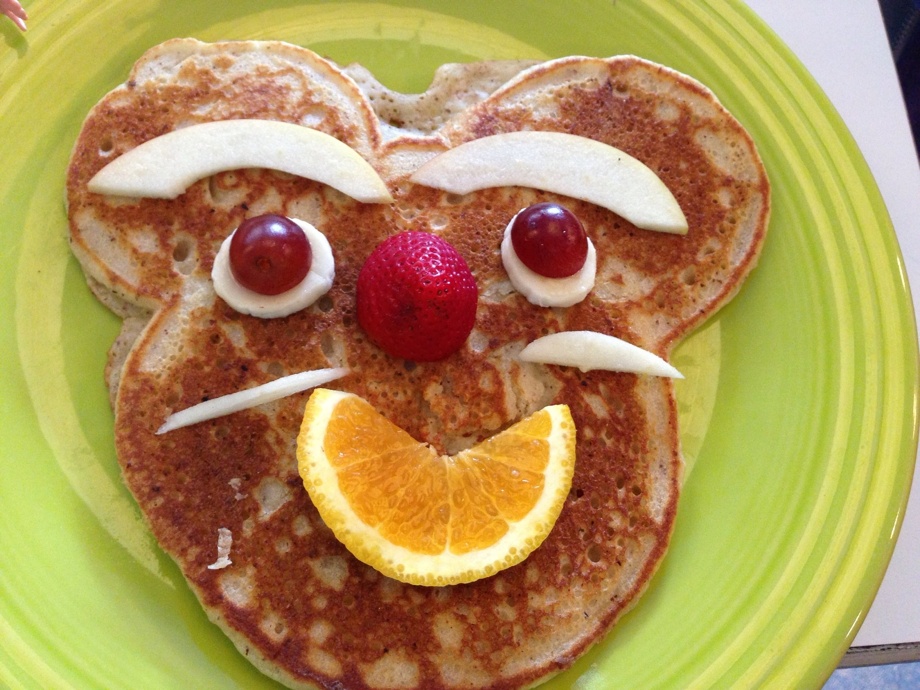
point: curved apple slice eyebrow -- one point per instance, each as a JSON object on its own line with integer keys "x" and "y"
{"x": 563, "y": 163}
{"x": 589, "y": 350}
{"x": 165, "y": 166}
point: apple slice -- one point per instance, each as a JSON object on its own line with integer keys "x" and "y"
{"x": 164, "y": 167}
{"x": 590, "y": 350}
{"x": 562, "y": 163}
{"x": 250, "y": 397}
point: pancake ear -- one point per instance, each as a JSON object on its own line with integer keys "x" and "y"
{"x": 148, "y": 251}
{"x": 663, "y": 284}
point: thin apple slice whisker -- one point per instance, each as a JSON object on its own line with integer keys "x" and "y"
{"x": 251, "y": 397}
{"x": 590, "y": 350}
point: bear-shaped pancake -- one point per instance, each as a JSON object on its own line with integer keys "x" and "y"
{"x": 294, "y": 601}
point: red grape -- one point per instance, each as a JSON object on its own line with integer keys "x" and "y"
{"x": 269, "y": 254}
{"x": 549, "y": 240}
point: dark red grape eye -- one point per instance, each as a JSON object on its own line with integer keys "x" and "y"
{"x": 269, "y": 254}
{"x": 549, "y": 240}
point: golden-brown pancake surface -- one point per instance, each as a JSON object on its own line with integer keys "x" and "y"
{"x": 294, "y": 600}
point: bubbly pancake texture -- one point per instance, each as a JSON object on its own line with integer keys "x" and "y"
{"x": 293, "y": 600}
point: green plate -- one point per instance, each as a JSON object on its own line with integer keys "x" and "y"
{"x": 799, "y": 410}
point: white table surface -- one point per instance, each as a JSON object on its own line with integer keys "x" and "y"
{"x": 844, "y": 46}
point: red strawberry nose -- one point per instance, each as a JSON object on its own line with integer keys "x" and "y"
{"x": 416, "y": 297}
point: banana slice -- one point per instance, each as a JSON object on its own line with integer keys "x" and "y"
{"x": 316, "y": 283}
{"x": 543, "y": 291}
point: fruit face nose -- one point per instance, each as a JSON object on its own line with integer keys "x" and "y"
{"x": 416, "y": 297}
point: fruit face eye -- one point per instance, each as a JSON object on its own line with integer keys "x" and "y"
{"x": 273, "y": 274}
{"x": 550, "y": 240}
{"x": 548, "y": 256}
{"x": 269, "y": 254}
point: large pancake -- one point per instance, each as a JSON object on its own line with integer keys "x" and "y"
{"x": 294, "y": 601}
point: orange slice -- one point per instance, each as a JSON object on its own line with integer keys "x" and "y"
{"x": 426, "y": 518}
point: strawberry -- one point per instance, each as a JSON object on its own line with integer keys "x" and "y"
{"x": 416, "y": 297}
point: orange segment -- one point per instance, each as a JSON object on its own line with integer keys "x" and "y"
{"x": 402, "y": 494}
{"x": 357, "y": 436}
{"x": 426, "y": 518}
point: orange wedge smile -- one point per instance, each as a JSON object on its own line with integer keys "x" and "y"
{"x": 426, "y": 518}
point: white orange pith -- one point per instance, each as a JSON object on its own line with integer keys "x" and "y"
{"x": 426, "y": 518}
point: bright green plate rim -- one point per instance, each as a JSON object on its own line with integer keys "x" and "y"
{"x": 799, "y": 413}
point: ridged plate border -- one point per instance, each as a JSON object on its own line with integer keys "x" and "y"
{"x": 803, "y": 458}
